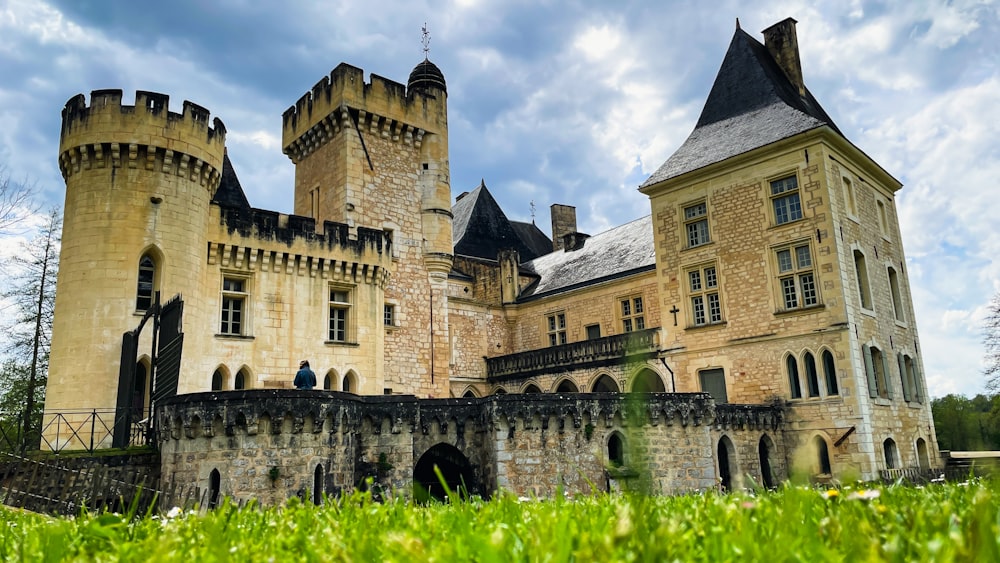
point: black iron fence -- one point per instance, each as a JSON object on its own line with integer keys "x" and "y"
{"x": 79, "y": 430}
{"x": 609, "y": 350}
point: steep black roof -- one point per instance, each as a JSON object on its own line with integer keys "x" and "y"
{"x": 752, "y": 104}
{"x": 533, "y": 237}
{"x": 230, "y": 193}
{"x": 480, "y": 228}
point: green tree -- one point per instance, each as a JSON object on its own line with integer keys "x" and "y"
{"x": 967, "y": 424}
{"x": 31, "y": 297}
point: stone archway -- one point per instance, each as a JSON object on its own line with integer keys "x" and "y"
{"x": 647, "y": 381}
{"x": 456, "y": 472}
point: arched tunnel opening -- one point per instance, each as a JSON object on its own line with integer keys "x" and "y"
{"x": 456, "y": 474}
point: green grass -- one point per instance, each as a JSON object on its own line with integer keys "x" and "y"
{"x": 936, "y": 523}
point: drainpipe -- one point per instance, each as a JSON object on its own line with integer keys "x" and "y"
{"x": 673, "y": 385}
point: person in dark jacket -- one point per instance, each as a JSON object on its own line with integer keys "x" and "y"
{"x": 304, "y": 378}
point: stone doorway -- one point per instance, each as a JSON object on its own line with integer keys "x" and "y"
{"x": 456, "y": 473}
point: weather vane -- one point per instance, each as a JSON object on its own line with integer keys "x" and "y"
{"x": 426, "y": 40}
{"x": 531, "y": 204}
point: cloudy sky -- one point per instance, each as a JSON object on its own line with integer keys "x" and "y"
{"x": 573, "y": 102}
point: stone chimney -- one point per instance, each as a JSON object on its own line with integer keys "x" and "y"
{"x": 563, "y": 223}
{"x": 783, "y": 44}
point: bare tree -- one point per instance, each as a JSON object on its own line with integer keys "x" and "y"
{"x": 16, "y": 201}
{"x": 31, "y": 295}
{"x": 991, "y": 340}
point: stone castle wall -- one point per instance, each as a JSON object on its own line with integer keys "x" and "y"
{"x": 271, "y": 444}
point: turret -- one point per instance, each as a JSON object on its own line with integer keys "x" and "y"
{"x": 138, "y": 184}
{"x": 375, "y": 154}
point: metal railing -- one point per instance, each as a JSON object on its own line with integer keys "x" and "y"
{"x": 607, "y": 350}
{"x": 75, "y": 430}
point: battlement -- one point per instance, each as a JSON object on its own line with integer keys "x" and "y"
{"x": 273, "y": 411}
{"x": 344, "y": 100}
{"x": 105, "y": 133}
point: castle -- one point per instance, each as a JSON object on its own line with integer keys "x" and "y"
{"x": 758, "y": 321}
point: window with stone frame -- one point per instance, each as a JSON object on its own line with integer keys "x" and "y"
{"x": 861, "y": 272}
{"x": 785, "y": 200}
{"x": 897, "y": 299}
{"x": 877, "y": 370}
{"x": 696, "y": 224}
{"x": 796, "y": 277}
{"x": 633, "y": 313}
{"x": 850, "y": 196}
{"x": 389, "y": 314}
{"x": 145, "y": 286}
{"x": 593, "y": 332}
{"x": 556, "y": 323}
{"x": 234, "y": 317}
{"x": 340, "y": 306}
{"x": 703, "y": 289}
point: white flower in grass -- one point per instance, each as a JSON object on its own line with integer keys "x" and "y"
{"x": 174, "y": 512}
{"x": 865, "y": 494}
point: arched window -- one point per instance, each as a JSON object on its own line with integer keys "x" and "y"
{"x": 329, "y": 380}
{"x": 647, "y": 381}
{"x": 349, "y": 383}
{"x": 903, "y": 381}
{"x": 139, "y": 392}
{"x": 812, "y": 379}
{"x": 891, "y": 454}
{"x": 147, "y": 276}
{"x": 764, "y": 448}
{"x": 217, "y": 380}
{"x": 470, "y": 394}
{"x": 532, "y": 388}
{"x": 604, "y": 384}
{"x": 500, "y": 391}
{"x": 727, "y": 463}
{"x": 822, "y": 456}
{"x": 861, "y": 270}
{"x": 241, "y": 380}
{"x": 922, "y": 459}
{"x": 567, "y": 386}
{"x": 794, "y": 386}
{"x": 830, "y": 373}
{"x": 616, "y": 450}
{"x": 214, "y": 488}
{"x": 318, "y": 485}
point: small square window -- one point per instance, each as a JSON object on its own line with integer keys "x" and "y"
{"x": 233, "y": 316}
{"x": 340, "y": 315}
{"x": 593, "y": 332}
{"x": 785, "y": 200}
{"x": 632, "y": 314}
{"x": 696, "y": 224}
{"x": 796, "y": 278}
{"x": 706, "y": 305}
{"x": 557, "y": 329}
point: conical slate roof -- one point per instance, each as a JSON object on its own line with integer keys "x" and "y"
{"x": 230, "y": 193}
{"x": 752, "y": 104}
{"x": 480, "y": 228}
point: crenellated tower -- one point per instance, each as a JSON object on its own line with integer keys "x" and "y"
{"x": 376, "y": 154}
{"x": 139, "y": 180}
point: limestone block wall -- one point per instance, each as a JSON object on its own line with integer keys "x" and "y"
{"x": 138, "y": 180}
{"x": 288, "y": 268}
{"x": 273, "y": 444}
{"x": 597, "y": 305}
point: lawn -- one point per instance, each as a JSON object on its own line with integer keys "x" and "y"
{"x": 941, "y": 522}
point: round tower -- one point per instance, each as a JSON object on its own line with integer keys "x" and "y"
{"x": 139, "y": 180}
